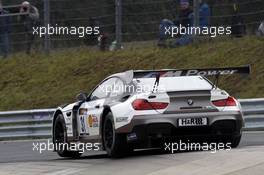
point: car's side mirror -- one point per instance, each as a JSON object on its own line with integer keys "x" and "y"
{"x": 81, "y": 97}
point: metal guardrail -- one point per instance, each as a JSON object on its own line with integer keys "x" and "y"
{"x": 253, "y": 110}
{"x": 26, "y": 124}
{"x": 37, "y": 123}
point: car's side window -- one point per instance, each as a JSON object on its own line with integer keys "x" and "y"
{"x": 103, "y": 90}
{"x": 118, "y": 88}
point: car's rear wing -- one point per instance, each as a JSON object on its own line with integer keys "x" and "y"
{"x": 191, "y": 72}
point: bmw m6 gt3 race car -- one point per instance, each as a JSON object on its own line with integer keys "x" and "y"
{"x": 141, "y": 109}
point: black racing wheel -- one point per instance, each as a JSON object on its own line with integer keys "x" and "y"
{"x": 60, "y": 136}
{"x": 115, "y": 144}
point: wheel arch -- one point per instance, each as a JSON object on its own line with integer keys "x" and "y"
{"x": 55, "y": 115}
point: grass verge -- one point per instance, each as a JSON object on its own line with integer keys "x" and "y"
{"x": 42, "y": 81}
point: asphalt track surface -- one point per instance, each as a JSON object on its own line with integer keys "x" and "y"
{"x": 248, "y": 158}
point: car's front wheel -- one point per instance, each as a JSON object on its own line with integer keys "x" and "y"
{"x": 114, "y": 144}
{"x": 60, "y": 136}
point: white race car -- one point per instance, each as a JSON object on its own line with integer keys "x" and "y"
{"x": 142, "y": 109}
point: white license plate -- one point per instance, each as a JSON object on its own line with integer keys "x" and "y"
{"x": 193, "y": 122}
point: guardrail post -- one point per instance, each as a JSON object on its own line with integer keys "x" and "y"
{"x": 118, "y": 20}
{"x": 46, "y": 23}
{"x": 196, "y": 18}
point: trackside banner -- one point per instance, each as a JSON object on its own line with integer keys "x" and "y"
{"x": 192, "y": 72}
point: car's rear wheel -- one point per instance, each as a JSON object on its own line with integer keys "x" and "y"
{"x": 235, "y": 141}
{"x": 115, "y": 144}
{"x": 60, "y": 136}
{"x": 232, "y": 141}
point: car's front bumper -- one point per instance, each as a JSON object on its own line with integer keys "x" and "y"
{"x": 164, "y": 125}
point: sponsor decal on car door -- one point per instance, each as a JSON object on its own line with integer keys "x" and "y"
{"x": 89, "y": 123}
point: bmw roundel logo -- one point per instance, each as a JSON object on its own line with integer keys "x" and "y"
{"x": 190, "y": 102}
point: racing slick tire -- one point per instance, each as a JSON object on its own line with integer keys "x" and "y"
{"x": 115, "y": 144}
{"x": 60, "y": 137}
{"x": 233, "y": 141}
